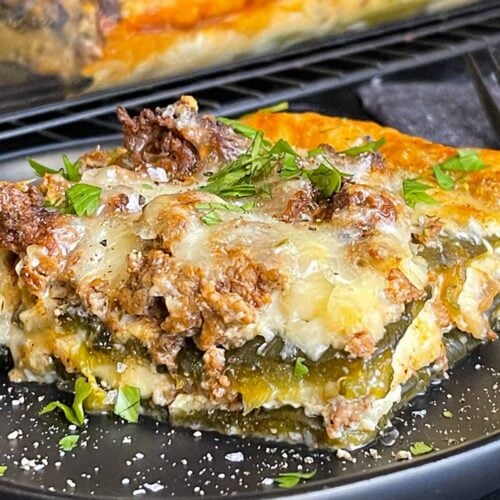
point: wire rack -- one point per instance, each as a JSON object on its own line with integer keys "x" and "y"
{"x": 234, "y": 90}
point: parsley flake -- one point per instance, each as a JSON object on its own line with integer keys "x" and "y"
{"x": 75, "y": 413}
{"x": 70, "y": 172}
{"x": 444, "y": 180}
{"x": 280, "y": 106}
{"x": 421, "y": 448}
{"x": 211, "y": 218}
{"x": 83, "y": 199}
{"x": 3, "y": 470}
{"x": 414, "y": 191}
{"x": 239, "y": 127}
{"x": 292, "y": 479}
{"x": 300, "y": 369}
{"x": 327, "y": 179}
{"x": 128, "y": 403}
{"x": 466, "y": 160}
{"x": 68, "y": 443}
{"x": 367, "y": 147}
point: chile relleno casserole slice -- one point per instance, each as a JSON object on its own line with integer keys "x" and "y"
{"x": 289, "y": 276}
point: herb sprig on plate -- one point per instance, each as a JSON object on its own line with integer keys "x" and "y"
{"x": 292, "y": 479}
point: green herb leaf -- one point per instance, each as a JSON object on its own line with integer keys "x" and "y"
{"x": 466, "y": 160}
{"x": 291, "y": 479}
{"x": 367, "y": 147}
{"x": 444, "y": 180}
{"x": 414, "y": 191}
{"x": 327, "y": 179}
{"x": 300, "y": 369}
{"x": 447, "y": 414}
{"x": 239, "y": 127}
{"x": 74, "y": 414}
{"x": 72, "y": 169}
{"x": 316, "y": 151}
{"x": 290, "y": 169}
{"x": 68, "y": 443}
{"x": 67, "y": 410}
{"x": 420, "y": 448}
{"x": 265, "y": 191}
{"x": 128, "y": 403}
{"x": 70, "y": 172}
{"x": 211, "y": 218}
{"x": 83, "y": 389}
{"x": 41, "y": 170}
{"x": 3, "y": 470}
{"x": 146, "y": 186}
{"x": 281, "y": 106}
{"x": 83, "y": 199}
{"x": 282, "y": 147}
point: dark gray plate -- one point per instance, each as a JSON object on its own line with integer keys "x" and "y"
{"x": 116, "y": 459}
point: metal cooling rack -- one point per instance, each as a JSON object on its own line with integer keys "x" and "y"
{"x": 259, "y": 82}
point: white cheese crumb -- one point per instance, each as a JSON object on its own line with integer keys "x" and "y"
{"x": 374, "y": 453}
{"x": 120, "y": 367}
{"x": 17, "y": 402}
{"x": 139, "y": 491}
{"x": 70, "y": 483}
{"x": 236, "y": 456}
{"x": 403, "y": 455}
{"x": 13, "y": 435}
{"x": 196, "y": 434}
{"x": 125, "y": 481}
{"x": 126, "y": 440}
{"x": 344, "y": 455}
{"x": 154, "y": 487}
{"x": 267, "y": 481}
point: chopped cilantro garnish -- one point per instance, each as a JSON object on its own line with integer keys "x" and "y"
{"x": 300, "y": 369}
{"x": 420, "y": 448}
{"x": 292, "y": 479}
{"x": 70, "y": 172}
{"x": 444, "y": 180}
{"x": 211, "y": 218}
{"x": 243, "y": 176}
{"x": 281, "y": 106}
{"x": 414, "y": 191}
{"x": 316, "y": 151}
{"x": 128, "y": 403}
{"x": 367, "y": 147}
{"x": 464, "y": 161}
{"x": 83, "y": 199}
{"x": 75, "y": 413}
{"x": 327, "y": 179}
{"x": 239, "y": 127}
{"x": 3, "y": 470}
{"x": 68, "y": 443}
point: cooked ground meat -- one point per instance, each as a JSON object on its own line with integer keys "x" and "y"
{"x": 342, "y": 413}
{"x": 23, "y": 218}
{"x": 358, "y": 207}
{"x": 399, "y": 288}
{"x": 210, "y": 308}
{"x": 179, "y": 140}
{"x": 361, "y": 345}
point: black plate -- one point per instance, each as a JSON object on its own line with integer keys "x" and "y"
{"x": 115, "y": 459}
{"x": 188, "y": 465}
